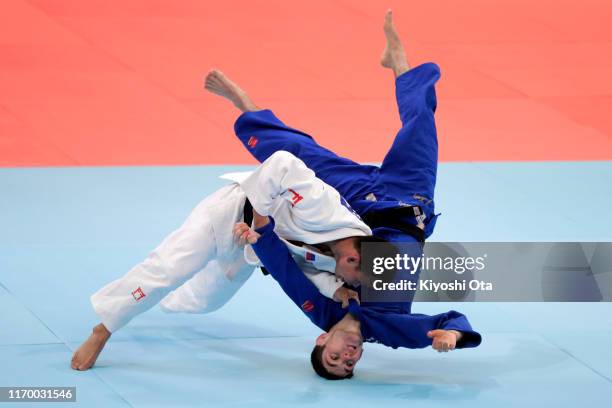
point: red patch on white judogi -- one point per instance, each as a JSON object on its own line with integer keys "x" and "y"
{"x": 296, "y": 197}
{"x": 252, "y": 142}
{"x": 138, "y": 294}
{"x": 307, "y": 306}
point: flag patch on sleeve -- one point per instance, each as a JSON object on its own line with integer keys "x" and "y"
{"x": 252, "y": 142}
{"x": 307, "y": 306}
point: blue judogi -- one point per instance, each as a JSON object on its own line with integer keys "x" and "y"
{"x": 379, "y": 324}
{"x": 407, "y": 175}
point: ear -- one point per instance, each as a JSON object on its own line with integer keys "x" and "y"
{"x": 322, "y": 339}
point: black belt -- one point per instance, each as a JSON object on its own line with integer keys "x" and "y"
{"x": 392, "y": 218}
{"x": 248, "y": 219}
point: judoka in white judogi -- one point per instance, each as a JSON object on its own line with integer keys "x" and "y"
{"x": 208, "y": 267}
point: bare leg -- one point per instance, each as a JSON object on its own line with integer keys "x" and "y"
{"x": 393, "y": 56}
{"x": 218, "y": 83}
{"x": 87, "y": 354}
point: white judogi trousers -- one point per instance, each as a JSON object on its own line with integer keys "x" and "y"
{"x": 193, "y": 250}
{"x": 201, "y": 258}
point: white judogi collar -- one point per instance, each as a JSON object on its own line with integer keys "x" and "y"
{"x": 302, "y": 254}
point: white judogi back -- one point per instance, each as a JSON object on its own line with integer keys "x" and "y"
{"x": 305, "y": 208}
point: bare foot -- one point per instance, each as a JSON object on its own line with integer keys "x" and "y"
{"x": 393, "y": 56}
{"x": 87, "y": 354}
{"x": 218, "y": 83}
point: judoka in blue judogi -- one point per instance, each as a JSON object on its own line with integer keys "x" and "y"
{"x": 396, "y": 199}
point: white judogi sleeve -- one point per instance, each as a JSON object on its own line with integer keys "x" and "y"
{"x": 326, "y": 282}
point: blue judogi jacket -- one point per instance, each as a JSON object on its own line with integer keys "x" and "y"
{"x": 379, "y": 324}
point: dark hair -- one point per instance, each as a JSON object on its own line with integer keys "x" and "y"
{"x": 316, "y": 359}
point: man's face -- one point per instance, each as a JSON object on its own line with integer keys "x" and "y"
{"x": 342, "y": 350}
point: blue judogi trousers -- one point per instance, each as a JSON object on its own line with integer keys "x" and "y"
{"x": 407, "y": 175}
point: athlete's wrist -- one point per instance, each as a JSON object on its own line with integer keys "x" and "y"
{"x": 457, "y": 334}
{"x": 260, "y": 220}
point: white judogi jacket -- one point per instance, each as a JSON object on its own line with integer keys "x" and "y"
{"x": 319, "y": 268}
{"x": 305, "y": 209}
{"x": 201, "y": 259}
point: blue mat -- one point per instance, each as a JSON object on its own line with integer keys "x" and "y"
{"x": 67, "y": 231}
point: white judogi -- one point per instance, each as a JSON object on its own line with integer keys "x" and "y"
{"x": 203, "y": 252}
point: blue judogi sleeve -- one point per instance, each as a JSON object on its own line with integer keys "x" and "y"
{"x": 410, "y": 330}
{"x": 377, "y": 325}
{"x": 275, "y": 256}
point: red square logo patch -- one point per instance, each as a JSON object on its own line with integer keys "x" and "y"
{"x": 138, "y": 294}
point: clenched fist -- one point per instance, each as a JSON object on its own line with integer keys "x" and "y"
{"x": 343, "y": 295}
{"x": 244, "y": 235}
{"x": 444, "y": 340}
